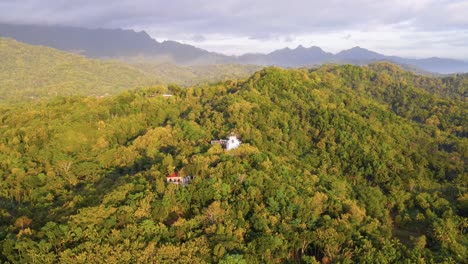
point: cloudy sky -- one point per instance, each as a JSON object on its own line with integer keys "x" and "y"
{"x": 411, "y": 28}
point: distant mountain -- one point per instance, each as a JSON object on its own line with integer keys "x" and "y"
{"x": 32, "y": 72}
{"x": 126, "y": 44}
{"x": 289, "y": 57}
{"x": 358, "y": 55}
{"x": 302, "y": 56}
{"x": 439, "y": 65}
{"x": 99, "y": 43}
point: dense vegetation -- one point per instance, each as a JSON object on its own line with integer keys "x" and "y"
{"x": 31, "y": 72}
{"x": 339, "y": 164}
{"x": 451, "y": 86}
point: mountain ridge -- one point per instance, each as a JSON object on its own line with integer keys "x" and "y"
{"x": 118, "y": 43}
{"x": 103, "y": 43}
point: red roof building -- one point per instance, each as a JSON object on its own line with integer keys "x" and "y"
{"x": 176, "y": 179}
{"x": 172, "y": 175}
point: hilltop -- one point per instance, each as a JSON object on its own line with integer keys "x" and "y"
{"x": 337, "y": 164}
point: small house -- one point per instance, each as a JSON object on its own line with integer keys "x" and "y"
{"x": 174, "y": 178}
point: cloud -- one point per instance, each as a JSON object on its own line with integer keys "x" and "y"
{"x": 239, "y": 17}
{"x": 263, "y": 36}
{"x": 256, "y": 20}
{"x": 198, "y": 38}
{"x": 289, "y": 39}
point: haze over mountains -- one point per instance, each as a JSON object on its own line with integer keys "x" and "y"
{"x": 118, "y": 43}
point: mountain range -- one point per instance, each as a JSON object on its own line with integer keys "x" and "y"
{"x": 128, "y": 44}
{"x": 106, "y": 43}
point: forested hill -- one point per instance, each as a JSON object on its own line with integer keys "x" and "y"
{"x": 35, "y": 72}
{"x": 338, "y": 164}
{"x": 31, "y": 72}
{"x": 453, "y": 86}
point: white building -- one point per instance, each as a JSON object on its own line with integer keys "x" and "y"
{"x": 231, "y": 142}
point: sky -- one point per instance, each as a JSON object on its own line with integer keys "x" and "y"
{"x": 409, "y": 28}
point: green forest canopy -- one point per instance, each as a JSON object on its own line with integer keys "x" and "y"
{"x": 338, "y": 164}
